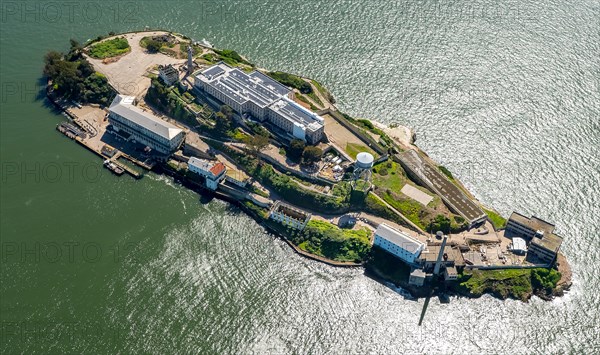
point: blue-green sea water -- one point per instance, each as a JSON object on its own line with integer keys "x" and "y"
{"x": 503, "y": 93}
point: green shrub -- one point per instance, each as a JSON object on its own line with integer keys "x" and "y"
{"x": 325, "y": 239}
{"x": 291, "y": 80}
{"x": 110, "y": 48}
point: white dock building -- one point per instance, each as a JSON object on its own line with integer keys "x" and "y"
{"x": 143, "y": 126}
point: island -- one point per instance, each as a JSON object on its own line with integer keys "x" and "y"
{"x": 343, "y": 190}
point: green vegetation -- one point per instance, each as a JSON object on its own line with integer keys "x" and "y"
{"x": 354, "y": 148}
{"x": 74, "y": 77}
{"x": 323, "y": 91}
{"x": 169, "y": 101}
{"x": 291, "y": 80}
{"x": 259, "y": 211}
{"x": 327, "y": 240}
{"x": 285, "y": 186}
{"x": 369, "y": 126}
{"x": 109, "y": 48}
{"x": 291, "y": 191}
{"x": 545, "y": 279}
{"x": 311, "y": 154}
{"x": 296, "y": 149}
{"x": 228, "y": 56}
{"x": 513, "y": 283}
{"x": 389, "y": 175}
{"x": 372, "y": 205}
{"x": 497, "y": 220}
{"x": 446, "y": 172}
{"x": 410, "y": 208}
{"x": 306, "y": 101}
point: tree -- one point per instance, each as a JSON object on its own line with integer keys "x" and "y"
{"x": 227, "y": 111}
{"x": 296, "y": 148}
{"x": 312, "y": 154}
{"x": 223, "y": 123}
{"x": 257, "y": 143}
{"x": 153, "y": 46}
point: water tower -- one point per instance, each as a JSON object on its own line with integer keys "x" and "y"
{"x": 362, "y": 171}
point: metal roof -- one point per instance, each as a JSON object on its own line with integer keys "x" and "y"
{"x": 123, "y": 106}
{"x": 399, "y": 238}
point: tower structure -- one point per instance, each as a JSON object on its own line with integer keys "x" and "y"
{"x": 362, "y": 171}
{"x": 438, "y": 262}
{"x": 190, "y": 60}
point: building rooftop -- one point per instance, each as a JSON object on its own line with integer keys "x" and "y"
{"x": 123, "y": 106}
{"x": 549, "y": 241}
{"x": 298, "y": 114}
{"x": 519, "y": 244}
{"x": 262, "y": 91}
{"x": 215, "y": 168}
{"x": 454, "y": 255}
{"x": 399, "y": 238}
{"x": 241, "y": 87}
{"x": 418, "y": 273}
{"x": 534, "y": 223}
{"x": 451, "y": 271}
{"x": 167, "y": 69}
{"x": 291, "y": 212}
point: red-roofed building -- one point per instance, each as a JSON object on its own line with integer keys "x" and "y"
{"x": 213, "y": 172}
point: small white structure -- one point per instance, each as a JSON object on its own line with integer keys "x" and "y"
{"x": 289, "y": 216}
{"x": 212, "y": 172}
{"x": 364, "y": 161}
{"x": 417, "y": 277}
{"x": 519, "y": 246}
{"x": 450, "y": 273}
{"x": 398, "y": 243}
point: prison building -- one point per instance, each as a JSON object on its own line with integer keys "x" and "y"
{"x": 263, "y": 98}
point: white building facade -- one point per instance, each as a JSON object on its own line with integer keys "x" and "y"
{"x": 143, "y": 127}
{"x": 213, "y": 173}
{"x": 398, "y": 243}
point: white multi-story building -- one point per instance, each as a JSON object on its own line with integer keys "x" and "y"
{"x": 289, "y": 216}
{"x": 263, "y": 98}
{"x": 143, "y": 126}
{"x": 398, "y": 243}
{"x": 211, "y": 171}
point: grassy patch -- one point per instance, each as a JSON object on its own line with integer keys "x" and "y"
{"x": 354, "y": 148}
{"x": 326, "y": 239}
{"x": 446, "y": 172}
{"x": 389, "y": 175}
{"x": 497, "y": 220}
{"x": 513, "y": 283}
{"x": 110, "y": 48}
{"x": 306, "y": 101}
{"x": 410, "y": 208}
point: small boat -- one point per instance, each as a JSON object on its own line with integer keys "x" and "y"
{"x": 113, "y": 167}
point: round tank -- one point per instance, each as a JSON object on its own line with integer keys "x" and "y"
{"x": 364, "y": 160}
